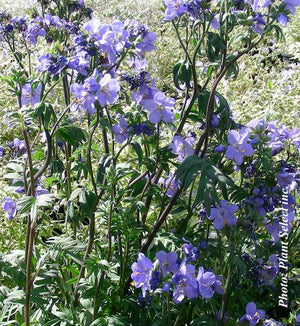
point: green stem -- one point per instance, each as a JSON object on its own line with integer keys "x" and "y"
{"x": 209, "y": 111}
{"x": 68, "y": 170}
{"x": 225, "y": 295}
{"x": 16, "y": 57}
{"x": 66, "y": 90}
{"x": 30, "y": 236}
{"x": 92, "y": 220}
{"x": 48, "y": 157}
{"x": 196, "y": 91}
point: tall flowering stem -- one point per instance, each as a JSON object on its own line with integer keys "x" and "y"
{"x": 92, "y": 219}
{"x": 30, "y": 235}
{"x": 226, "y": 294}
{"x": 209, "y": 110}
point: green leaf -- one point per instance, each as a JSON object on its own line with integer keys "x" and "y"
{"x": 238, "y": 194}
{"x": 182, "y": 72}
{"x": 213, "y": 46}
{"x": 71, "y": 134}
{"x": 24, "y": 204}
{"x": 15, "y": 167}
{"x": 189, "y": 170}
{"x": 57, "y": 167}
{"x": 104, "y": 162}
{"x": 13, "y": 175}
{"x": 87, "y": 200}
{"x": 233, "y": 71}
{"x": 202, "y": 102}
{"x": 210, "y": 177}
{"x": 45, "y": 109}
{"x": 138, "y": 149}
{"x": 75, "y": 194}
{"x": 45, "y": 200}
{"x": 216, "y": 174}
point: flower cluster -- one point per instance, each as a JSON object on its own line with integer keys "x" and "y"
{"x": 238, "y": 145}
{"x": 156, "y": 102}
{"x": 182, "y": 147}
{"x": 253, "y": 315}
{"x": 10, "y": 208}
{"x": 31, "y": 93}
{"x": 223, "y": 214}
{"x": 195, "y": 9}
{"x": 175, "y": 276}
{"x": 17, "y": 147}
{"x": 263, "y": 273}
{"x": 97, "y": 87}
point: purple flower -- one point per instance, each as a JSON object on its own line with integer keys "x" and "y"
{"x": 259, "y": 23}
{"x": 257, "y": 204}
{"x": 108, "y": 92}
{"x": 141, "y": 273}
{"x": 276, "y": 147}
{"x": 54, "y": 20}
{"x": 215, "y": 23}
{"x": 291, "y": 5}
{"x": 29, "y": 95}
{"x": 206, "y": 281}
{"x": 161, "y": 110}
{"x": 40, "y": 190}
{"x": 218, "y": 286}
{"x": 220, "y": 149}
{"x": 2, "y": 151}
{"x": 85, "y": 100}
{"x": 45, "y": 62}
{"x": 17, "y": 145}
{"x": 51, "y": 64}
{"x": 282, "y": 19}
{"x": 166, "y": 287}
{"x": 142, "y": 128}
{"x": 10, "y": 208}
{"x": 20, "y": 23}
{"x": 273, "y": 228}
{"x": 60, "y": 63}
{"x": 253, "y": 315}
{"x": 270, "y": 270}
{"x": 215, "y": 121}
{"x": 33, "y": 31}
{"x": 191, "y": 252}
{"x": 260, "y": 4}
{"x": 91, "y": 84}
{"x": 223, "y": 214}
{"x": 136, "y": 81}
{"x": 171, "y": 183}
{"x": 120, "y": 36}
{"x": 238, "y": 148}
{"x": 144, "y": 96}
{"x": 155, "y": 280}
{"x": 286, "y": 179}
{"x": 167, "y": 262}
{"x": 182, "y": 147}
{"x": 121, "y": 131}
{"x": 175, "y": 8}
{"x": 96, "y": 29}
{"x": 146, "y": 45}
{"x": 79, "y": 63}
{"x": 185, "y": 282}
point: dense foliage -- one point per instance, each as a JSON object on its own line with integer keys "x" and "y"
{"x": 127, "y": 204}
